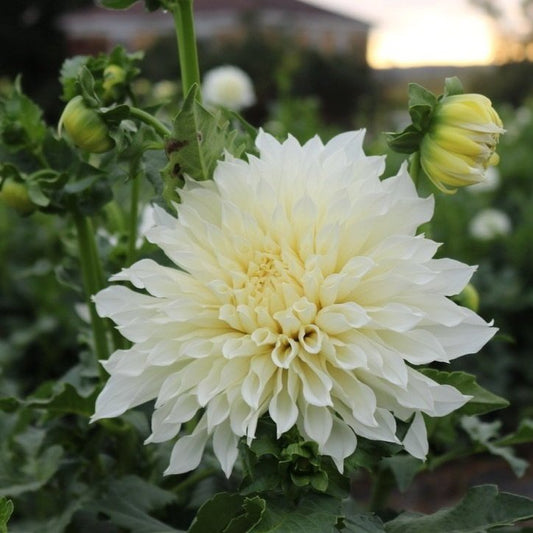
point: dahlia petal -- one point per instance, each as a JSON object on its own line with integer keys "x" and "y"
{"x": 188, "y": 450}
{"x": 317, "y": 423}
{"x": 161, "y": 429}
{"x": 282, "y": 407}
{"x": 341, "y": 443}
{"x": 416, "y": 439}
{"x": 225, "y": 447}
{"x": 121, "y": 393}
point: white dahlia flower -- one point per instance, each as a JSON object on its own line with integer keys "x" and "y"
{"x": 301, "y": 291}
{"x": 228, "y": 86}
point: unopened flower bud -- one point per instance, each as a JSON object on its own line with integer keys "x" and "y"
{"x": 85, "y": 127}
{"x": 15, "y": 195}
{"x": 114, "y": 77}
{"x": 460, "y": 143}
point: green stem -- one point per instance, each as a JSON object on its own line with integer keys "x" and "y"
{"x": 150, "y": 120}
{"x": 134, "y": 213}
{"x": 195, "y": 478}
{"x": 187, "y": 51}
{"x": 90, "y": 281}
{"x": 381, "y": 488}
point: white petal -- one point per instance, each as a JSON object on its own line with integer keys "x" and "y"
{"x": 188, "y": 450}
{"x": 317, "y": 422}
{"x": 416, "y": 439}
{"x": 341, "y": 443}
{"x": 225, "y": 447}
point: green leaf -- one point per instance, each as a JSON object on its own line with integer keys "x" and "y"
{"x": 482, "y": 508}
{"x": 405, "y": 142}
{"x": 315, "y": 513}
{"x": 128, "y": 502}
{"x": 29, "y": 477}
{"x": 69, "y": 73}
{"x": 523, "y": 434}
{"x": 117, "y": 4}
{"x": 55, "y": 397}
{"x": 363, "y": 523}
{"x": 253, "y": 511}
{"x": 404, "y": 468}
{"x": 198, "y": 143}
{"x": 483, "y": 401}
{"x": 21, "y": 122}
{"x": 6, "y": 508}
{"x": 228, "y": 513}
{"x": 421, "y": 105}
{"x": 486, "y": 433}
{"x": 86, "y": 81}
{"x": 453, "y": 86}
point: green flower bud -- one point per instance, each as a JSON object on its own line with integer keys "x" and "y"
{"x": 460, "y": 143}
{"x": 85, "y": 127}
{"x": 114, "y": 77}
{"x": 15, "y": 195}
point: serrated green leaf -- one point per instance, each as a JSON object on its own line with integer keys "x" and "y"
{"x": 202, "y": 141}
{"x": 29, "y": 477}
{"x": 216, "y": 515}
{"x": 483, "y": 401}
{"x": 485, "y": 433}
{"x": 253, "y": 509}
{"x": 63, "y": 398}
{"x": 21, "y": 122}
{"x": 6, "y": 509}
{"x": 482, "y": 508}
{"x": 315, "y": 513}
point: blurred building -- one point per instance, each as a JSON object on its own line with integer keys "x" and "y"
{"x": 94, "y": 29}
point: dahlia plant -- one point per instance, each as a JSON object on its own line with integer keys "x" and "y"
{"x": 284, "y": 320}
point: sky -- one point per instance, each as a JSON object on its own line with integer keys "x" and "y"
{"x": 421, "y": 32}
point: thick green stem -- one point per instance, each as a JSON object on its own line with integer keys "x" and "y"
{"x": 187, "y": 51}
{"x": 150, "y": 120}
{"x": 91, "y": 283}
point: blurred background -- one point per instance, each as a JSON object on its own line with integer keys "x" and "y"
{"x": 321, "y": 66}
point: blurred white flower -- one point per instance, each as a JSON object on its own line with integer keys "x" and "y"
{"x": 490, "y": 183}
{"x": 303, "y": 292}
{"x": 228, "y": 86}
{"x": 165, "y": 90}
{"x": 489, "y": 224}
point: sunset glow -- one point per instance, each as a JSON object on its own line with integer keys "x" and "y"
{"x": 417, "y": 32}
